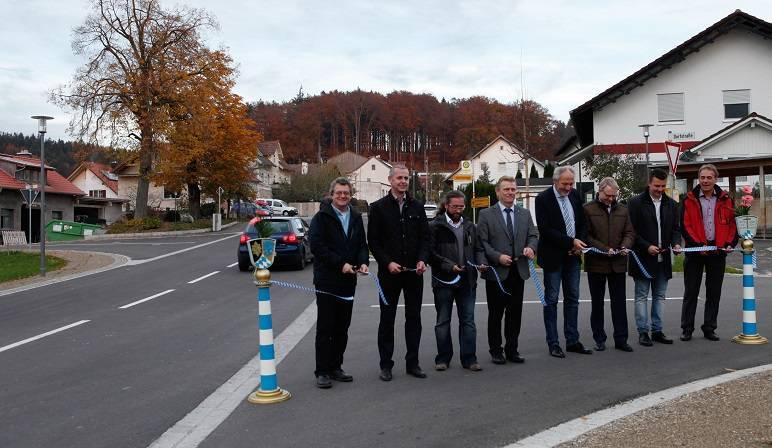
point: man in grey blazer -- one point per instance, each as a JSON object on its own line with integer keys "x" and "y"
{"x": 508, "y": 237}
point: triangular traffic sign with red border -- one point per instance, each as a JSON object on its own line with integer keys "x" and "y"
{"x": 673, "y": 151}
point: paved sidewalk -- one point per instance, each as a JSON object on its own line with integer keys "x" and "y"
{"x": 734, "y": 414}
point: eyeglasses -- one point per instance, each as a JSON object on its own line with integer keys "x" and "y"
{"x": 342, "y": 193}
{"x": 459, "y": 207}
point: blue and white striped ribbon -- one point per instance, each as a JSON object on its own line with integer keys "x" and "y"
{"x": 495, "y": 274}
{"x": 291, "y": 285}
{"x": 536, "y": 282}
{"x": 710, "y": 249}
{"x": 617, "y": 252}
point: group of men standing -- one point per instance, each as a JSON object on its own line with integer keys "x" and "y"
{"x": 500, "y": 247}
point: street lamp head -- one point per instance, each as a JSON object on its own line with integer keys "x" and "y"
{"x": 42, "y": 122}
{"x": 645, "y": 129}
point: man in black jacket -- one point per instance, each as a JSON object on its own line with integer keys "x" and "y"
{"x": 655, "y": 219}
{"x": 562, "y": 229}
{"x": 398, "y": 234}
{"x": 337, "y": 237}
{"x": 452, "y": 245}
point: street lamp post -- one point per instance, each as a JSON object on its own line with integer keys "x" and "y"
{"x": 646, "y": 137}
{"x": 42, "y": 182}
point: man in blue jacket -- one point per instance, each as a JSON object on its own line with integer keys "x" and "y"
{"x": 337, "y": 237}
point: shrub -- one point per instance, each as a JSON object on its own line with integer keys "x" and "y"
{"x": 171, "y": 216}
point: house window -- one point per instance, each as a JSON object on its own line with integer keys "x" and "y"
{"x": 6, "y": 218}
{"x": 368, "y": 179}
{"x": 27, "y": 175}
{"x": 483, "y": 166}
{"x": 57, "y": 214}
{"x": 97, "y": 193}
{"x": 737, "y": 103}
{"x": 670, "y": 107}
{"x": 741, "y": 178}
{"x": 372, "y": 167}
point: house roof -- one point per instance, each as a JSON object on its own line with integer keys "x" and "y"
{"x": 489, "y": 145}
{"x": 56, "y": 183}
{"x": 269, "y": 148}
{"x": 388, "y": 165}
{"x": 748, "y": 120}
{"x": 101, "y": 171}
{"x": 347, "y": 161}
{"x": 582, "y": 115}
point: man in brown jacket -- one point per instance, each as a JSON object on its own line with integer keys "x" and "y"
{"x": 609, "y": 230}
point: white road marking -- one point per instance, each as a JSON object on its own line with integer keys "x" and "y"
{"x": 572, "y": 429}
{"x": 177, "y": 252}
{"x": 233, "y": 264}
{"x": 40, "y": 336}
{"x": 207, "y": 416}
{"x": 402, "y": 305}
{"x": 129, "y": 305}
{"x": 203, "y": 277}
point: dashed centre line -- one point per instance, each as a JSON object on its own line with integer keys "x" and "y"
{"x": 129, "y": 305}
{"x": 203, "y": 277}
{"x": 232, "y": 264}
{"x": 42, "y": 335}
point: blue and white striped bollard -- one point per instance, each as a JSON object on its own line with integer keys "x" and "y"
{"x": 269, "y": 390}
{"x": 750, "y": 333}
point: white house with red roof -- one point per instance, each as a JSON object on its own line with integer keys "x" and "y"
{"x": 21, "y": 171}
{"x": 102, "y": 203}
{"x": 702, "y": 86}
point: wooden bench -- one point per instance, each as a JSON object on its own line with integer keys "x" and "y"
{"x": 14, "y": 238}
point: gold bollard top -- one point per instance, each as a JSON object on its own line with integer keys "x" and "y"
{"x": 262, "y": 277}
{"x": 747, "y": 245}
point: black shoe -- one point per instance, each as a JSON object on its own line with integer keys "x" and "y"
{"x": 323, "y": 382}
{"x": 416, "y": 372}
{"x": 557, "y": 352}
{"x": 498, "y": 359}
{"x": 340, "y": 375}
{"x": 578, "y": 348}
{"x": 644, "y": 340}
{"x": 686, "y": 336}
{"x": 625, "y": 347}
{"x": 658, "y": 336}
{"x": 711, "y": 336}
{"x": 516, "y": 358}
{"x": 385, "y": 374}
{"x": 600, "y": 346}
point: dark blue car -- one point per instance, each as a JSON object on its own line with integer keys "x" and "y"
{"x": 291, "y": 235}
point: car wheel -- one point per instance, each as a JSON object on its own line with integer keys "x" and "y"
{"x": 243, "y": 264}
{"x": 285, "y": 213}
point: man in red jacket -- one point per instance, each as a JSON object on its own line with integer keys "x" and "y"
{"x": 707, "y": 219}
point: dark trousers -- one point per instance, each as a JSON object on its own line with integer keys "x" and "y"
{"x": 333, "y": 317}
{"x": 510, "y": 307}
{"x": 713, "y": 265}
{"x": 616, "y": 291}
{"x": 412, "y": 285}
{"x": 464, "y": 296}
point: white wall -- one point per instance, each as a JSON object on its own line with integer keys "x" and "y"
{"x": 502, "y": 159}
{"x": 88, "y": 181}
{"x": 738, "y": 60}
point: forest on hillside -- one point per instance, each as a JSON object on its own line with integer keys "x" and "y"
{"x": 403, "y": 126}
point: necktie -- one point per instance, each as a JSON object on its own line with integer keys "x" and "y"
{"x": 570, "y": 231}
{"x": 510, "y": 225}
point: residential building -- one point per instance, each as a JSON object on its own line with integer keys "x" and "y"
{"x": 21, "y": 172}
{"x": 157, "y": 196}
{"x": 102, "y": 204}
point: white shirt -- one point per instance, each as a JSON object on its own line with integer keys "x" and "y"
{"x": 504, "y": 213}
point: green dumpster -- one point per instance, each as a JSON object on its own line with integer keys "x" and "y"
{"x": 58, "y": 230}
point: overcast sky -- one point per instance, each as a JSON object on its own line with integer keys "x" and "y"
{"x": 571, "y": 50}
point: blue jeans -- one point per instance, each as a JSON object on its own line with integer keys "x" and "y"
{"x": 568, "y": 275}
{"x": 658, "y": 287}
{"x": 464, "y": 296}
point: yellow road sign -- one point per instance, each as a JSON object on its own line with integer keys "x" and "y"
{"x": 462, "y": 177}
{"x": 481, "y": 202}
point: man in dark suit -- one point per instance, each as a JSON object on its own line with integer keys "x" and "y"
{"x": 508, "y": 238}
{"x": 657, "y": 226}
{"x": 398, "y": 234}
{"x": 337, "y": 238}
{"x": 562, "y": 229}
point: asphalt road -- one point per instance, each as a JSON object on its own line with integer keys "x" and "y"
{"x": 127, "y": 375}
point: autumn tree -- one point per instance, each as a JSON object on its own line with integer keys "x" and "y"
{"x": 210, "y": 143}
{"x": 137, "y": 62}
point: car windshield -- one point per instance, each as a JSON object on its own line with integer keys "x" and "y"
{"x": 276, "y": 226}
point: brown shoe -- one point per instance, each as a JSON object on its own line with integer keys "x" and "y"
{"x": 440, "y": 366}
{"x": 475, "y": 367}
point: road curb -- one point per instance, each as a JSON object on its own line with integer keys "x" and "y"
{"x": 570, "y": 430}
{"x": 118, "y": 261}
{"x": 127, "y": 236}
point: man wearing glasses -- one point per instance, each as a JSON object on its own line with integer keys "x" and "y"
{"x": 608, "y": 229}
{"x": 453, "y": 244}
